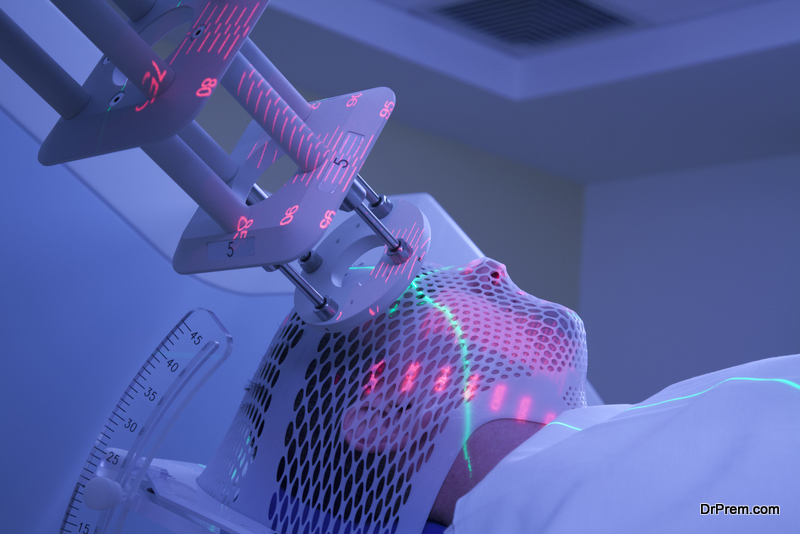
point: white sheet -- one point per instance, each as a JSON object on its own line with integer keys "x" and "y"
{"x": 730, "y": 437}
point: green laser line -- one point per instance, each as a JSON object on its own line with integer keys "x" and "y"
{"x": 465, "y": 363}
{"x": 779, "y": 380}
{"x": 742, "y": 378}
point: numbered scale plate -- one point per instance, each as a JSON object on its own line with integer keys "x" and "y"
{"x": 118, "y": 462}
{"x": 119, "y": 116}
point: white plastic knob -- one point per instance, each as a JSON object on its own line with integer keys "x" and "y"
{"x": 102, "y": 493}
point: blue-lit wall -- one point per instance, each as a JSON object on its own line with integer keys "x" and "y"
{"x": 83, "y": 301}
{"x": 690, "y": 272}
{"x": 680, "y": 274}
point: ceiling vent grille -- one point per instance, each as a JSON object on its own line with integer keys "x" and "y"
{"x": 527, "y": 23}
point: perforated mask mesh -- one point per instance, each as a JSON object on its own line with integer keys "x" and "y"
{"x": 354, "y": 432}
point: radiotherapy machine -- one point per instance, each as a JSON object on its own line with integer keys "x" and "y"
{"x": 401, "y": 339}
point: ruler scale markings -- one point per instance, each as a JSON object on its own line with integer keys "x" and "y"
{"x": 232, "y": 13}
{"x": 201, "y": 15}
{"x": 221, "y": 13}
{"x": 240, "y": 16}
{"x": 212, "y": 14}
{"x": 125, "y": 456}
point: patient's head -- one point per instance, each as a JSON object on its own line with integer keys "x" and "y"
{"x": 368, "y": 427}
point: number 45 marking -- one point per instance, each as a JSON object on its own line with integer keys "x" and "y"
{"x": 197, "y": 338}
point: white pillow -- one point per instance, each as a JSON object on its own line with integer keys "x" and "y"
{"x": 731, "y": 437}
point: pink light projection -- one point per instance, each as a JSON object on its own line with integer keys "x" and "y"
{"x": 327, "y": 219}
{"x": 353, "y": 100}
{"x": 498, "y": 396}
{"x": 524, "y": 408}
{"x": 154, "y": 84}
{"x": 411, "y": 375}
{"x": 376, "y": 370}
{"x": 289, "y": 215}
{"x": 441, "y": 380}
{"x": 471, "y": 388}
{"x": 206, "y": 87}
{"x": 242, "y": 226}
{"x": 387, "y": 109}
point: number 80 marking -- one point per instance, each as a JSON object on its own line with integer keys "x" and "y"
{"x": 206, "y": 87}
{"x": 289, "y": 215}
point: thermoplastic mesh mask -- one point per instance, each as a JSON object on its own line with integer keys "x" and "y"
{"x": 355, "y": 431}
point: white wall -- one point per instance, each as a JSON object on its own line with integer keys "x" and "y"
{"x": 689, "y": 272}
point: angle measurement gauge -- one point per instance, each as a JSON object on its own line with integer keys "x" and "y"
{"x": 109, "y": 484}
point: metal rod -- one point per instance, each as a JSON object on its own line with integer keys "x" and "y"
{"x": 256, "y": 195}
{"x": 41, "y": 72}
{"x": 209, "y": 151}
{"x": 377, "y": 226}
{"x": 307, "y": 289}
{"x": 379, "y": 205}
{"x": 198, "y": 181}
{"x": 271, "y": 111}
{"x": 372, "y": 197}
{"x": 276, "y": 79}
{"x": 98, "y": 21}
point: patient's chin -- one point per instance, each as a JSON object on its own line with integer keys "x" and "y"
{"x": 485, "y": 448}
